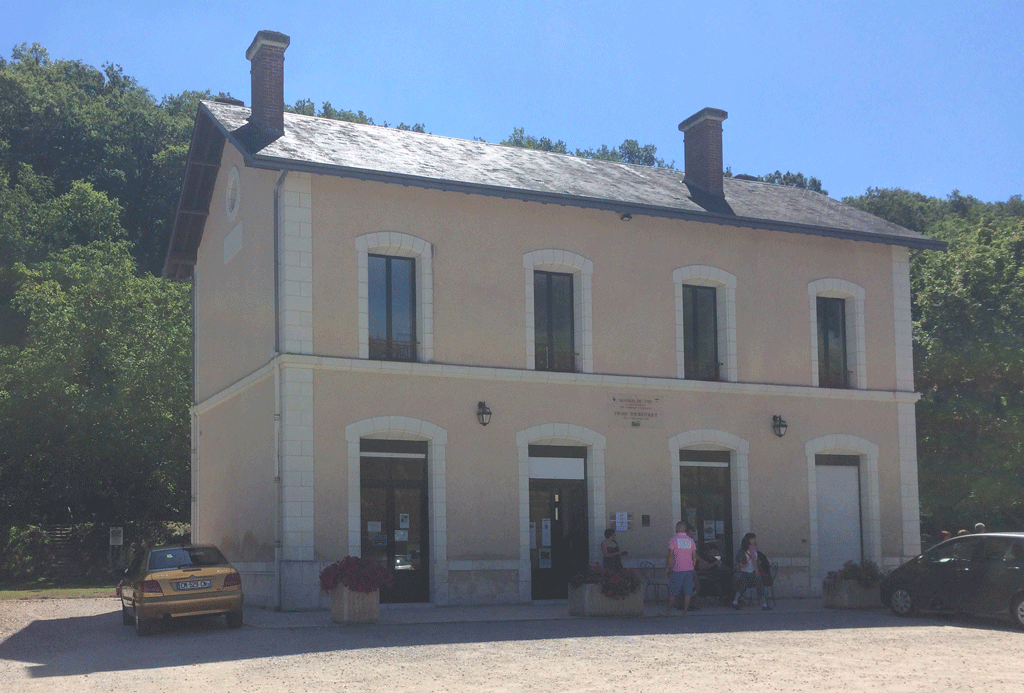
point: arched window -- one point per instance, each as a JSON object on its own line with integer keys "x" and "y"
{"x": 838, "y": 357}
{"x": 559, "y": 311}
{"x": 705, "y": 323}
{"x": 396, "y": 297}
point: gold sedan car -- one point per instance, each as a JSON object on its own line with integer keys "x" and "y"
{"x": 172, "y": 581}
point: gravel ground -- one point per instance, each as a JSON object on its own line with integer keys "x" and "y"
{"x": 80, "y": 645}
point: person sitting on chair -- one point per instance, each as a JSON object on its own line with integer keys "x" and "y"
{"x": 747, "y": 573}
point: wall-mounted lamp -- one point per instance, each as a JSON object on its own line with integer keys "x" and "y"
{"x": 779, "y": 425}
{"x": 626, "y": 216}
{"x": 483, "y": 413}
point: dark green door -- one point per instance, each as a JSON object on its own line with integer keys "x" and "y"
{"x": 560, "y": 547}
{"x": 393, "y": 500}
{"x": 705, "y": 494}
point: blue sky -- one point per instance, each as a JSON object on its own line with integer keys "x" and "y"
{"x": 927, "y": 96}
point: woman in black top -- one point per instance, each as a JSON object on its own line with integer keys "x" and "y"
{"x": 610, "y": 551}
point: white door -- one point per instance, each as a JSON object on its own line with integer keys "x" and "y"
{"x": 839, "y": 531}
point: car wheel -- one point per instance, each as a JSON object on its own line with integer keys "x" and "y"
{"x": 234, "y": 619}
{"x": 143, "y": 627}
{"x": 1017, "y": 610}
{"x": 902, "y": 602}
{"x": 126, "y": 616}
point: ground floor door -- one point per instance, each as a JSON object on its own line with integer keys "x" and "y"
{"x": 837, "y": 479}
{"x": 559, "y": 538}
{"x": 393, "y": 507}
{"x": 705, "y": 495}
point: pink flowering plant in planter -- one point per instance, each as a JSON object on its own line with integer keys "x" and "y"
{"x": 357, "y": 574}
{"x": 615, "y": 584}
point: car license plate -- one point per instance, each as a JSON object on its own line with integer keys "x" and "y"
{"x": 194, "y": 585}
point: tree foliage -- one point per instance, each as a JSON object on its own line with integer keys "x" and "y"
{"x": 520, "y": 139}
{"x": 788, "y": 179}
{"x": 34, "y": 222}
{"x": 968, "y": 361}
{"x": 306, "y": 107}
{"x": 629, "y": 152}
{"x": 93, "y": 406}
{"x": 70, "y": 122}
{"x": 969, "y": 330}
{"x": 793, "y": 180}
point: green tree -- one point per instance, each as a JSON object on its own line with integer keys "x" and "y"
{"x": 968, "y": 331}
{"x": 629, "y": 152}
{"x": 72, "y": 122}
{"x": 932, "y": 216}
{"x": 94, "y": 406}
{"x": 791, "y": 180}
{"x": 520, "y": 139}
{"x": 968, "y": 324}
{"x": 307, "y": 107}
{"x": 34, "y": 224}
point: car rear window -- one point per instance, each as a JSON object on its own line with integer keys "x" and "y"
{"x": 164, "y": 559}
{"x": 1015, "y": 553}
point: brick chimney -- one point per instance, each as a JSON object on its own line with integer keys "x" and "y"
{"x": 267, "y": 56}
{"x": 702, "y": 143}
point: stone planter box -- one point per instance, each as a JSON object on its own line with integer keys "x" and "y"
{"x": 846, "y": 594}
{"x": 350, "y": 607}
{"x": 587, "y": 600}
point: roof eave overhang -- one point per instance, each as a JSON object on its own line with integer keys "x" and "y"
{"x": 201, "y": 169}
{"x": 619, "y": 207}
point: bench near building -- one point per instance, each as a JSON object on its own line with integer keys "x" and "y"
{"x": 468, "y": 360}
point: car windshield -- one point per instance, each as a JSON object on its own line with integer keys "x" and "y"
{"x": 175, "y": 557}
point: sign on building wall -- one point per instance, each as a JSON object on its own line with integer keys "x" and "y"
{"x": 635, "y": 411}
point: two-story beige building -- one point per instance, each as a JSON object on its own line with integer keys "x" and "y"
{"x": 469, "y": 360}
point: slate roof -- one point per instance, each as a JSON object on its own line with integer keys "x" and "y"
{"x": 333, "y": 147}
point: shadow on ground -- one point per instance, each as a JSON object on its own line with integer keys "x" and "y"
{"x": 100, "y": 643}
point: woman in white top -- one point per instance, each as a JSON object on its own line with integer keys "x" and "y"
{"x": 747, "y": 575}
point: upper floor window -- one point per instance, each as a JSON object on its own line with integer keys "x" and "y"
{"x": 559, "y": 311}
{"x": 396, "y": 297}
{"x": 700, "y": 332}
{"x": 554, "y": 342}
{"x": 838, "y": 354}
{"x": 832, "y": 371}
{"x": 392, "y": 307}
{"x": 705, "y": 323}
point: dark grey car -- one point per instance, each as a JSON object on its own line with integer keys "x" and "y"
{"x": 977, "y": 573}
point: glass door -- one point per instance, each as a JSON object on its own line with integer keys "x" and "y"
{"x": 394, "y": 532}
{"x": 705, "y": 494}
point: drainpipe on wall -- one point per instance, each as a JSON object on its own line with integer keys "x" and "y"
{"x": 279, "y": 491}
{"x": 194, "y": 448}
{"x": 279, "y": 487}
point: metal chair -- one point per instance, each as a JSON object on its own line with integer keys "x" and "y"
{"x": 649, "y": 575}
{"x": 749, "y": 596}
{"x": 768, "y": 571}
{"x": 769, "y": 583}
